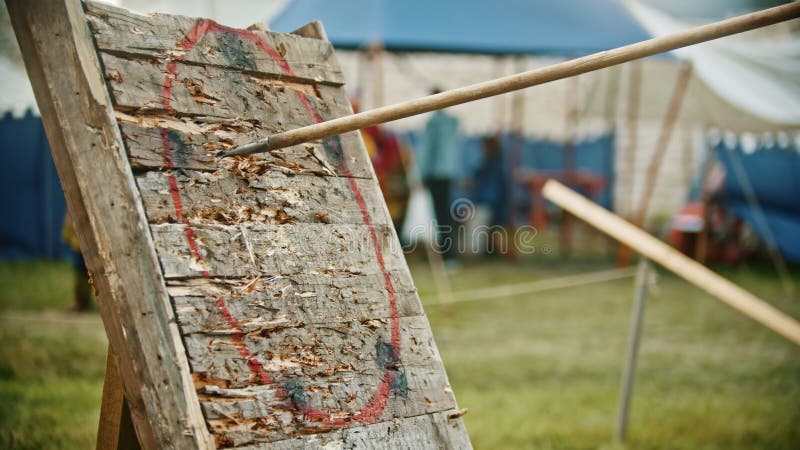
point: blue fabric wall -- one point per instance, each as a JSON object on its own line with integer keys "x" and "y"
{"x": 30, "y": 193}
{"x": 774, "y": 174}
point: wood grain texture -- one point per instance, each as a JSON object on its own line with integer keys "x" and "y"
{"x": 104, "y": 204}
{"x": 154, "y": 37}
{"x": 294, "y": 303}
{"x": 194, "y": 144}
{"x": 432, "y": 431}
{"x": 225, "y": 197}
{"x": 252, "y": 249}
{"x": 287, "y": 299}
{"x": 330, "y": 367}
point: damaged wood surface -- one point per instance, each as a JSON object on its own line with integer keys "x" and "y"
{"x": 252, "y": 249}
{"x": 308, "y": 298}
{"x": 194, "y": 144}
{"x": 293, "y": 300}
{"x": 270, "y": 198}
{"x": 442, "y": 430}
{"x": 155, "y": 37}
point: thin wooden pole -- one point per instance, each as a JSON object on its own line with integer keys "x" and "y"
{"x": 628, "y": 172}
{"x": 569, "y": 161}
{"x": 654, "y": 168}
{"x": 664, "y": 138}
{"x": 632, "y": 131}
{"x": 683, "y": 266}
{"x": 635, "y": 338}
{"x": 523, "y": 80}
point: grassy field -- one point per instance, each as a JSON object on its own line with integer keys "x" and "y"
{"x": 536, "y": 371}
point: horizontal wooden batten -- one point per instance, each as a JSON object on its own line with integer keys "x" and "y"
{"x": 278, "y": 300}
{"x": 306, "y": 351}
{"x": 265, "y": 418}
{"x": 424, "y": 431}
{"x": 209, "y": 91}
{"x": 250, "y": 249}
{"x": 155, "y": 37}
{"x": 271, "y": 198}
{"x": 194, "y": 143}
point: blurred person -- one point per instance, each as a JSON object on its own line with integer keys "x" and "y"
{"x": 438, "y": 165}
{"x": 387, "y": 155}
{"x": 490, "y": 188}
{"x": 81, "y": 288}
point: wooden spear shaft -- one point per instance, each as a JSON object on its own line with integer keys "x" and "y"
{"x": 523, "y": 80}
{"x": 681, "y": 265}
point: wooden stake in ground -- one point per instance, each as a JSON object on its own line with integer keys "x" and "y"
{"x": 683, "y": 266}
{"x": 523, "y": 80}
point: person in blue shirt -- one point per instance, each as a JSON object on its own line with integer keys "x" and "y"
{"x": 438, "y": 163}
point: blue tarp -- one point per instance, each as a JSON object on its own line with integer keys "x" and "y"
{"x": 563, "y": 27}
{"x": 32, "y": 201}
{"x": 774, "y": 174}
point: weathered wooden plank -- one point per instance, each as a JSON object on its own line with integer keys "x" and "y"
{"x": 333, "y": 369}
{"x": 227, "y": 198}
{"x": 304, "y": 298}
{"x": 250, "y": 249}
{"x": 267, "y": 413}
{"x": 109, "y": 219}
{"x": 195, "y": 142}
{"x": 158, "y": 36}
{"x": 439, "y": 431}
{"x": 138, "y": 85}
{"x": 206, "y": 91}
{"x": 290, "y": 349}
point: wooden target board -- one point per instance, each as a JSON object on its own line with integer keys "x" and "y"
{"x": 251, "y": 302}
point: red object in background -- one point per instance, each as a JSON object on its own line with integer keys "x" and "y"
{"x": 686, "y": 227}
{"x": 724, "y": 243}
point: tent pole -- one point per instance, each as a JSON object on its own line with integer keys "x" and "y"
{"x": 569, "y": 162}
{"x": 517, "y": 125}
{"x": 664, "y": 138}
{"x": 523, "y": 80}
{"x": 632, "y": 132}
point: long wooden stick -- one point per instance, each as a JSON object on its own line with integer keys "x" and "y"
{"x": 675, "y": 261}
{"x": 523, "y": 80}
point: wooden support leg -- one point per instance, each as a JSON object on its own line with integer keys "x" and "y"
{"x": 115, "y": 431}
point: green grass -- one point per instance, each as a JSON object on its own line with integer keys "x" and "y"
{"x": 542, "y": 371}
{"x": 51, "y": 379}
{"x": 51, "y": 361}
{"x": 537, "y": 371}
{"x": 35, "y": 286}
